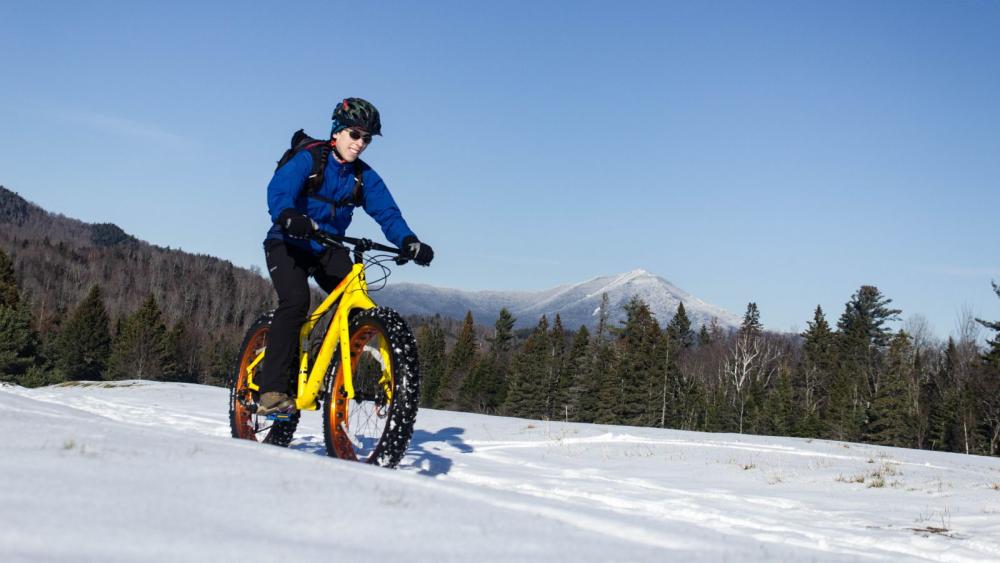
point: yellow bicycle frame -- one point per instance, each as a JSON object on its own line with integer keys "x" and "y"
{"x": 352, "y": 293}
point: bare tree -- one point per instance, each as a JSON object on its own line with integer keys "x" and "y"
{"x": 750, "y": 364}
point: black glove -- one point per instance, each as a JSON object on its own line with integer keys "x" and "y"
{"x": 419, "y": 252}
{"x": 297, "y": 225}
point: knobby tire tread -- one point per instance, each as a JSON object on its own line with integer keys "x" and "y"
{"x": 396, "y": 437}
{"x": 281, "y": 432}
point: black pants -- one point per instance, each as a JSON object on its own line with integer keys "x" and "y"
{"x": 290, "y": 268}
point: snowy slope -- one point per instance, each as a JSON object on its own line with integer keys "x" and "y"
{"x": 146, "y": 471}
{"x": 577, "y": 304}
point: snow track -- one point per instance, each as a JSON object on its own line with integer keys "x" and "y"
{"x": 153, "y": 463}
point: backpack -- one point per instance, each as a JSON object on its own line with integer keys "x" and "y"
{"x": 320, "y": 151}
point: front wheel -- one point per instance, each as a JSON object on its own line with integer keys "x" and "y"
{"x": 377, "y": 424}
{"x": 243, "y": 420}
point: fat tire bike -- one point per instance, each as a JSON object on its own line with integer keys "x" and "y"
{"x": 357, "y": 361}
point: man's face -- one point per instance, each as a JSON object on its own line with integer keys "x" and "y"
{"x": 349, "y": 147}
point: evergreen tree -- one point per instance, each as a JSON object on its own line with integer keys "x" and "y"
{"x": 815, "y": 373}
{"x": 501, "y": 350}
{"x": 639, "y": 369}
{"x": 890, "y": 422}
{"x": 486, "y": 387}
{"x": 431, "y": 351}
{"x": 559, "y": 380}
{"x": 180, "y": 361}
{"x": 460, "y": 364}
{"x": 609, "y": 383}
{"x": 84, "y": 342}
{"x": 751, "y": 321}
{"x": 527, "y": 392}
{"x": 940, "y": 406}
{"x": 583, "y": 392}
{"x": 9, "y": 293}
{"x": 862, "y": 336}
{"x": 992, "y": 357}
{"x": 704, "y": 337}
{"x": 18, "y": 342}
{"x": 779, "y": 413}
{"x": 679, "y": 329}
{"x": 986, "y": 387}
{"x": 219, "y": 362}
{"x": 674, "y": 392}
{"x": 139, "y": 350}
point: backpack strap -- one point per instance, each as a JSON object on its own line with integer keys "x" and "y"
{"x": 320, "y": 153}
{"x": 358, "y": 196}
{"x": 355, "y": 198}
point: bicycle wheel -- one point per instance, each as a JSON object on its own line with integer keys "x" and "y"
{"x": 243, "y": 420}
{"x": 376, "y": 425}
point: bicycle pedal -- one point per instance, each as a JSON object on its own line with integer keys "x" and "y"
{"x": 279, "y": 416}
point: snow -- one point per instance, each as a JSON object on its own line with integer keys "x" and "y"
{"x": 147, "y": 471}
{"x": 575, "y": 303}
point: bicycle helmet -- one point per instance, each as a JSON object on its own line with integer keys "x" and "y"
{"x": 356, "y": 112}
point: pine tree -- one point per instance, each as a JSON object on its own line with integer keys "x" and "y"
{"x": 9, "y": 294}
{"x": 139, "y": 350}
{"x": 219, "y": 357}
{"x": 779, "y": 413}
{"x": 559, "y": 382}
{"x": 679, "y": 328}
{"x": 815, "y": 373}
{"x": 751, "y": 321}
{"x": 460, "y": 364}
{"x": 431, "y": 351}
{"x": 486, "y": 387}
{"x": 583, "y": 393}
{"x": 495, "y": 390}
{"x": 18, "y": 342}
{"x": 862, "y": 336}
{"x": 180, "y": 361}
{"x": 940, "y": 405}
{"x": 704, "y": 337}
{"x": 84, "y": 342}
{"x": 674, "y": 393}
{"x": 986, "y": 387}
{"x": 638, "y": 367}
{"x": 890, "y": 422}
{"x": 527, "y": 392}
{"x": 992, "y": 356}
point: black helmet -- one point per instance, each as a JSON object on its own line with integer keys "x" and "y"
{"x": 356, "y": 112}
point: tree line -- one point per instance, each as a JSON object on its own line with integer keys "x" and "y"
{"x": 857, "y": 380}
{"x": 95, "y": 299}
{"x": 81, "y": 301}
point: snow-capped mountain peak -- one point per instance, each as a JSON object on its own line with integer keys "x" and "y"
{"x": 576, "y": 304}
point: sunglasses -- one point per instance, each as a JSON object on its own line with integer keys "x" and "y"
{"x": 355, "y": 134}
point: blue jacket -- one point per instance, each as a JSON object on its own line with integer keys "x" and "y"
{"x": 286, "y": 192}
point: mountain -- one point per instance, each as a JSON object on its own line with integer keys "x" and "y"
{"x": 57, "y": 259}
{"x": 577, "y": 304}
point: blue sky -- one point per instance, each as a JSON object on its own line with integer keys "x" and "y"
{"x": 778, "y": 152}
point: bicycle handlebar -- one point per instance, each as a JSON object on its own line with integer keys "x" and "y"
{"x": 360, "y": 245}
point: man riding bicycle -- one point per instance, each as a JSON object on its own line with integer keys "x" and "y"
{"x": 297, "y": 214}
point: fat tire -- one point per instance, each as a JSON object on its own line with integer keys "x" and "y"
{"x": 281, "y": 432}
{"x": 402, "y": 414}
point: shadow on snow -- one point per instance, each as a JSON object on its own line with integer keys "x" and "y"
{"x": 429, "y": 452}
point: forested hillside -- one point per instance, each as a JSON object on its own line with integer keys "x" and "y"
{"x": 198, "y": 305}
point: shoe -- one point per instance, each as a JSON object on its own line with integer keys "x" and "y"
{"x": 275, "y": 401}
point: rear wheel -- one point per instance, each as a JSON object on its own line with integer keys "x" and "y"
{"x": 377, "y": 424}
{"x": 243, "y": 420}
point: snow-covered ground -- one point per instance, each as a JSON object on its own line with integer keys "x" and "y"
{"x": 147, "y": 471}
